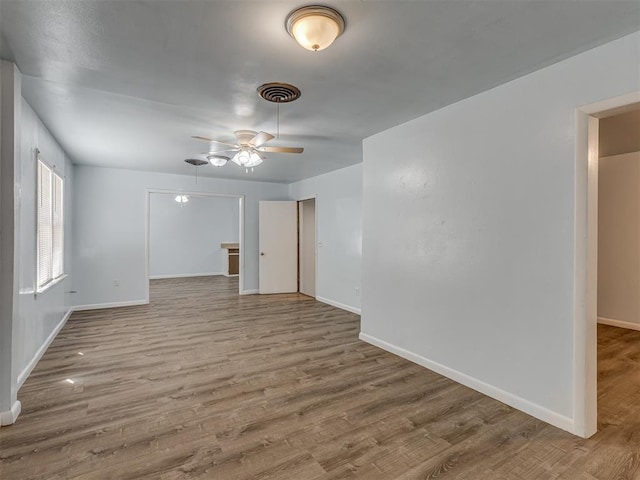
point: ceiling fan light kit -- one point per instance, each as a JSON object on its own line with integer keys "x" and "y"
{"x": 247, "y": 158}
{"x": 315, "y": 27}
{"x": 250, "y": 145}
{"x": 217, "y": 160}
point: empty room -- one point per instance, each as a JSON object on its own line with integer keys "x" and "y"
{"x": 389, "y": 239}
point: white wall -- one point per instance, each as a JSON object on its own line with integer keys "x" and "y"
{"x": 185, "y": 238}
{"x": 338, "y": 216}
{"x": 10, "y": 101}
{"x": 39, "y": 316}
{"x": 468, "y": 228}
{"x": 619, "y": 240}
{"x": 109, "y": 228}
{"x": 29, "y": 322}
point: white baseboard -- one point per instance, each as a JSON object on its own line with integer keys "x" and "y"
{"x": 619, "y": 323}
{"x": 43, "y": 348}
{"x": 343, "y": 306}
{"x": 533, "y": 409}
{"x": 185, "y": 275}
{"x": 249, "y": 292}
{"x": 99, "y": 306}
{"x": 9, "y": 417}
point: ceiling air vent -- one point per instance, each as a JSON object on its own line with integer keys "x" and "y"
{"x": 279, "y": 92}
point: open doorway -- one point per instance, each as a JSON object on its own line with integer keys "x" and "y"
{"x": 619, "y": 219}
{"x": 307, "y": 247}
{"x": 193, "y": 234}
{"x": 618, "y": 277}
{"x": 599, "y": 356}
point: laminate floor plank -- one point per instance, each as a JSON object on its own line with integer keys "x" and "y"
{"x": 206, "y": 384}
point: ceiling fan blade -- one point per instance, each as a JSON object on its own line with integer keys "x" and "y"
{"x": 214, "y": 152}
{"x": 281, "y": 149}
{"x": 260, "y": 139}
{"x": 198, "y": 137}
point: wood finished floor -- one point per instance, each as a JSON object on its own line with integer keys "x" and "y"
{"x": 203, "y": 383}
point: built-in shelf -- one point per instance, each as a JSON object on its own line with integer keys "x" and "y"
{"x": 231, "y": 258}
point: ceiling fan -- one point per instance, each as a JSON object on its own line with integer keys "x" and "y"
{"x": 249, "y": 149}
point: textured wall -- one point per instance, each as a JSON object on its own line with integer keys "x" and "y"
{"x": 469, "y": 236}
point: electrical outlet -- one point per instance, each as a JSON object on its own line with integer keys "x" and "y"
{"x": 357, "y": 291}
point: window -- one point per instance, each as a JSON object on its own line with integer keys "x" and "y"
{"x": 50, "y": 262}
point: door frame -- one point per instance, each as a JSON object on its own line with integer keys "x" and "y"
{"x": 315, "y": 243}
{"x": 241, "y": 202}
{"x": 585, "y": 352}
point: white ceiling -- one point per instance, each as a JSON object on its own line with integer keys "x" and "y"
{"x": 126, "y": 83}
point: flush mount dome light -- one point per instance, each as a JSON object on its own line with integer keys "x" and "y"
{"x": 181, "y": 199}
{"x": 218, "y": 160}
{"x": 315, "y": 27}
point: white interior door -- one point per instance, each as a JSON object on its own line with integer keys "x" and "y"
{"x": 278, "y": 239}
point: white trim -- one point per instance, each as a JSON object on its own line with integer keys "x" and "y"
{"x": 193, "y": 193}
{"x": 186, "y": 275}
{"x": 100, "y": 306}
{"x": 313, "y": 196}
{"x": 533, "y": 409}
{"x": 249, "y": 292}
{"x": 50, "y": 284}
{"x": 342, "y": 306}
{"x": 619, "y": 323}
{"x": 9, "y": 417}
{"x": 616, "y": 102}
{"x": 43, "y": 348}
{"x": 241, "y": 244}
{"x": 585, "y": 276}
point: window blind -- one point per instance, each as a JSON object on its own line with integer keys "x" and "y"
{"x": 58, "y": 228}
{"x": 50, "y": 234}
{"x": 45, "y": 233}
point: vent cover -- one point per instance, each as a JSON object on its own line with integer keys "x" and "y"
{"x": 279, "y": 92}
{"x": 196, "y": 162}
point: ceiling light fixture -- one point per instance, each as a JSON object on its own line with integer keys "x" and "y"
{"x": 250, "y": 147}
{"x": 181, "y": 199}
{"x": 218, "y": 160}
{"x": 242, "y": 158}
{"x": 315, "y": 27}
